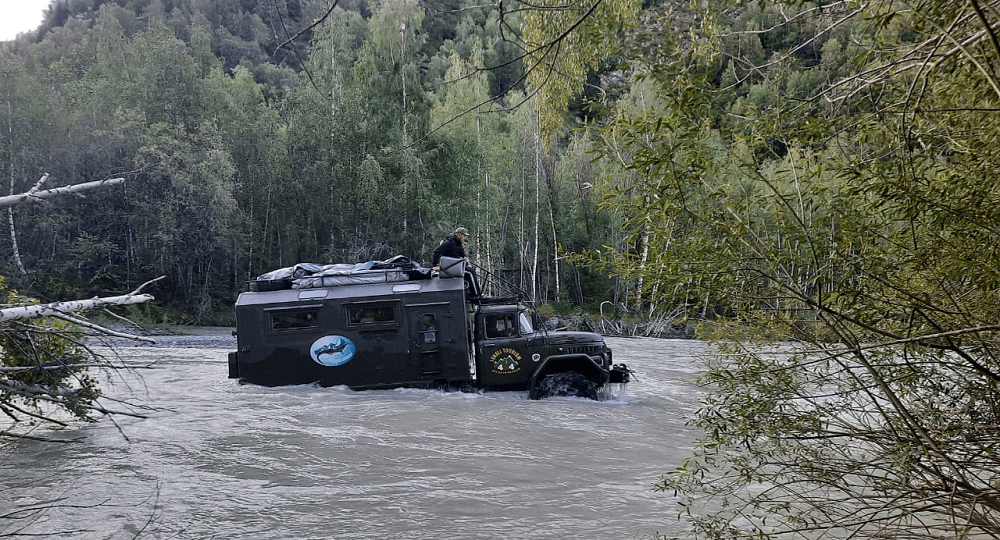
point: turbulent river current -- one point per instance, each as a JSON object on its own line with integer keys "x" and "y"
{"x": 213, "y": 458}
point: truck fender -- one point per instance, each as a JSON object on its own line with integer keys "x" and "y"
{"x": 580, "y": 363}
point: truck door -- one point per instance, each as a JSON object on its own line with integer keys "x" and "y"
{"x": 504, "y": 361}
{"x": 438, "y": 340}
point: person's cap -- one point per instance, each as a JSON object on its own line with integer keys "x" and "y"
{"x": 462, "y": 230}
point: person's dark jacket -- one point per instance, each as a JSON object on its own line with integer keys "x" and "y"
{"x": 451, "y": 246}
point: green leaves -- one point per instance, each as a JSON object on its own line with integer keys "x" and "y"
{"x": 564, "y": 41}
{"x": 837, "y": 199}
{"x": 43, "y": 366}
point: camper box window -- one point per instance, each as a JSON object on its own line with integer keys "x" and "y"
{"x": 297, "y": 319}
{"x": 371, "y": 314}
{"x": 428, "y": 328}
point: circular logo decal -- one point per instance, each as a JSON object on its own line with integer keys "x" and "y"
{"x": 505, "y": 361}
{"x": 332, "y": 350}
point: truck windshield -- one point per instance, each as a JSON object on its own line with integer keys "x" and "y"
{"x": 526, "y": 328}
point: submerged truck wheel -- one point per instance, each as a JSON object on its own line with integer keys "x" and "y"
{"x": 565, "y": 383}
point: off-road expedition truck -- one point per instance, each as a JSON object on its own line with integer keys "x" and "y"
{"x": 390, "y": 324}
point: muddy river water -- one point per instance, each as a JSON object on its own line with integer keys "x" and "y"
{"x": 217, "y": 459}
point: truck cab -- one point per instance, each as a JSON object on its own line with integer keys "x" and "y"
{"x": 511, "y": 353}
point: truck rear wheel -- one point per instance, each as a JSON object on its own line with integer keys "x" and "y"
{"x": 565, "y": 383}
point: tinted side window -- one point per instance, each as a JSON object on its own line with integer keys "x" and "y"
{"x": 498, "y": 326}
{"x": 297, "y": 319}
{"x": 372, "y": 314}
{"x": 526, "y": 328}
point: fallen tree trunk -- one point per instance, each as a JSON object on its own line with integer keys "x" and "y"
{"x": 57, "y": 309}
{"x": 62, "y": 310}
{"x": 35, "y": 195}
{"x": 43, "y": 367}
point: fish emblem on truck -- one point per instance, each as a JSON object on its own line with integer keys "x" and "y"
{"x": 332, "y": 350}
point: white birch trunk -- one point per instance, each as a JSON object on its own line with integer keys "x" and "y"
{"x": 56, "y": 309}
{"x": 335, "y": 91}
{"x": 538, "y": 175}
{"x": 644, "y": 239}
{"x": 555, "y": 245}
{"x": 13, "y": 243}
{"x": 483, "y": 196}
{"x": 521, "y": 253}
{"x": 402, "y": 73}
{"x": 38, "y": 196}
{"x": 10, "y": 211}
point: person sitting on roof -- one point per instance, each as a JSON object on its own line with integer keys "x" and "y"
{"x": 454, "y": 246}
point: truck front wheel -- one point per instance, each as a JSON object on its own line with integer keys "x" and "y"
{"x": 565, "y": 383}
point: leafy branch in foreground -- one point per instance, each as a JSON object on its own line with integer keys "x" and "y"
{"x": 827, "y": 184}
{"x": 44, "y": 356}
{"x": 46, "y": 362}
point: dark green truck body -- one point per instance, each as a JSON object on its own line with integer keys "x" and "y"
{"x": 381, "y": 329}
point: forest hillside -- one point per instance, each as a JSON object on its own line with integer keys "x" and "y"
{"x": 255, "y": 135}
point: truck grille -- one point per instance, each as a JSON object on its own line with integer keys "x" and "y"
{"x": 590, "y": 350}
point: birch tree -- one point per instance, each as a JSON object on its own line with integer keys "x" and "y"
{"x": 45, "y": 362}
{"x": 563, "y": 42}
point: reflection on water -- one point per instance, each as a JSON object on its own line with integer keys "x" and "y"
{"x": 217, "y": 459}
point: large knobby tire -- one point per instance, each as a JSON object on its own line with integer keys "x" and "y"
{"x": 565, "y": 383}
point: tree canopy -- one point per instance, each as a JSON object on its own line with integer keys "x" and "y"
{"x": 253, "y": 137}
{"x": 817, "y": 175}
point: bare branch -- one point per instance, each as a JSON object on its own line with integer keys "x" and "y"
{"x": 122, "y": 319}
{"x": 38, "y": 185}
{"x": 98, "y": 328}
{"x": 56, "y": 395}
{"x": 314, "y": 24}
{"x": 143, "y": 286}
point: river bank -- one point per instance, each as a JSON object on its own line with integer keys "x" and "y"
{"x": 657, "y": 328}
{"x": 181, "y": 337}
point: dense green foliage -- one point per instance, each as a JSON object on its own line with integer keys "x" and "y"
{"x": 44, "y": 369}
{"x": 822, "y": 175}
{"x": 251, "y": 139}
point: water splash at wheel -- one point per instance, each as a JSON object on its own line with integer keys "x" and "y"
{"x": 566, "y": 383}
